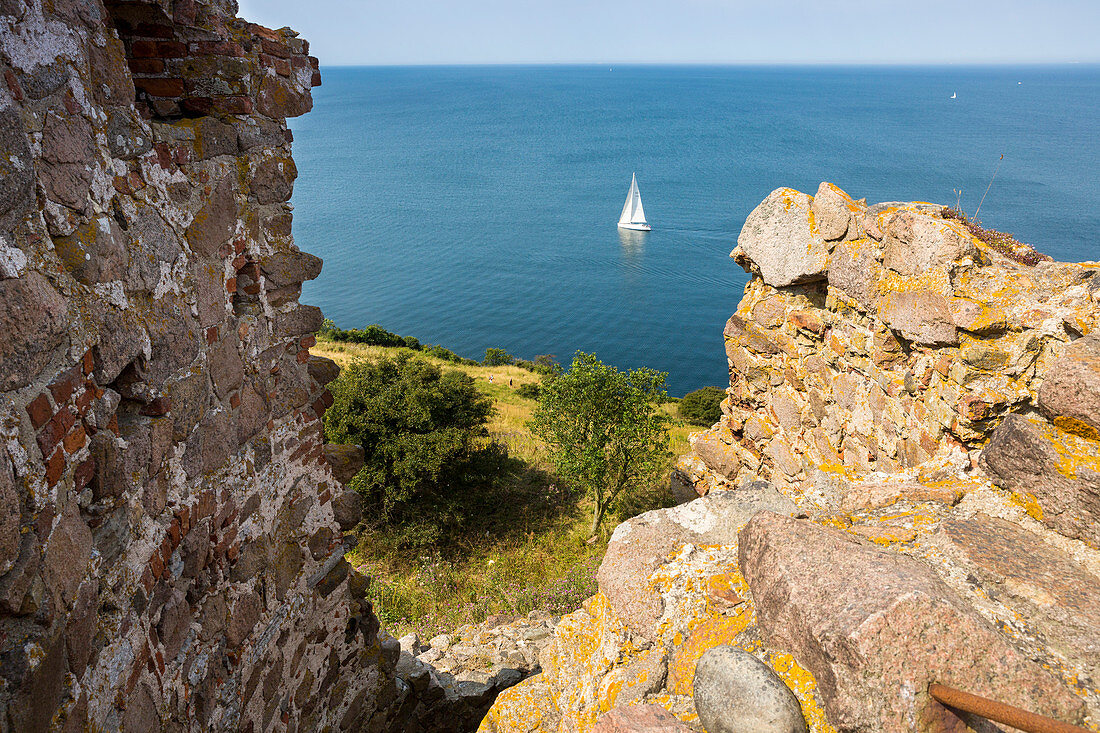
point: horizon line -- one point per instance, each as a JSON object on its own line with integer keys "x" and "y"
{"x": 790, "y": 64}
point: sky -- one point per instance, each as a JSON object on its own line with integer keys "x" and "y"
{"x": 369, "y": 32}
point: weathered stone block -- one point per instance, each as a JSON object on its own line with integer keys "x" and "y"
{"x": 915, "y": 242}
{"x": 780, "y": 241}
{"x": 345, "y": 461}
{"x": 1070, "y": 394}
{"x": 833, "y": 212}
{"x": 289, "y": 266}
{"x": 920, "y": 315}
{"x": 734, "y": 692}
{"x": 216, "y": 221}
{"x": 33, "y": 318}
{"x": 641, "y": 545}
{"x": 867, "y": 623}
{"x": 1055, "y": 473}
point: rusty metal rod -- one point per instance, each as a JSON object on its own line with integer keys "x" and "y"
{"x": 999, "y": 712}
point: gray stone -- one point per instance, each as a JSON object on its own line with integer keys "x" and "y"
{"x": 737, "y": 693}
{"x": 298, "y": 321}
{"x": 345, "y": 461}
{"x": 322, "y": 370}
{"x": 778, "y": 241}
{"x": 347, "y": 509}
{"x": 16, "y": 171}
{"x": 127, "y": 138}
{"x": 273, "y": 180}
{"x": 226, "y": 367}
{"x": 507, "y": 677}
{"x": 9, "y": 516}
{"x": 33, "y": 318}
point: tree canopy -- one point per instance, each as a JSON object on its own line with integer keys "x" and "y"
{"x": 422, "y": 430}
{"x": 604, "y": 430}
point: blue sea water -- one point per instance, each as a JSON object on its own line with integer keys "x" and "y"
{"x": 476, "y": 206}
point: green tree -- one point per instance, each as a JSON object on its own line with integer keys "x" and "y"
{"x": 603, "y": 428}
{"x": 423, "y": 433}
{"x": 703, "y": 406}
{"x": 497, "y": 357}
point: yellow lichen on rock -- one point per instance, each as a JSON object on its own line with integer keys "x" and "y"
{"x": 525, "y": 708}
{"x": 804, "y": 687}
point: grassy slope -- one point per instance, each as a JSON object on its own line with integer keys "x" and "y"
{"x": 537, "y": 556}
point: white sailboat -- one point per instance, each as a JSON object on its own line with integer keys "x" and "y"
{"x": 952, "y": 95}
{"x": 633, "y": 216}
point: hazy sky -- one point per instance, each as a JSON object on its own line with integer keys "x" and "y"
{"x": 715, "y": 31}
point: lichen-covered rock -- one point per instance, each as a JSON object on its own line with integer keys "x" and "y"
{"x": 1070, "y": 394}
{"x": 639, "y": 719}
{"x": 780, "y": 241}
{"x": 640, "y": 545}
{"x": 169, "y": 539}
{"x": 868, "y": 622}
{"x": 1054, "y": 472}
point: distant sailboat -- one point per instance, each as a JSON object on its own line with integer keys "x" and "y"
{"x": 633, "y": 216}
{"x": 952, "y": 95}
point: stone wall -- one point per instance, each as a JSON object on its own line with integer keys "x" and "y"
{"x": 170, "y": 533}
{"x": 904, "y": 488}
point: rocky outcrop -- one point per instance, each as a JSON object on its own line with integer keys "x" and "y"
{"x": 171, "y": 555}
{"x": 902, "y": 490}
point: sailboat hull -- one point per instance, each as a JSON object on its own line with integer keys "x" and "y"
{"x": 635, "y": 226}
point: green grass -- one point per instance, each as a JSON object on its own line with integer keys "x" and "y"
{"x": 530, "y": 549}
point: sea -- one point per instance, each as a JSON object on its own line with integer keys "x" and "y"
{"x": 476, "y": 206}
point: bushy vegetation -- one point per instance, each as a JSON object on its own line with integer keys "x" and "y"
{"x": 702, "y": 406}
{"x": 524, "y": 541}
{"x": 604, "y": 430}
{"x": 424, "y": 438}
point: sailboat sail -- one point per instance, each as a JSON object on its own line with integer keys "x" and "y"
{"x": 633, "y": 213}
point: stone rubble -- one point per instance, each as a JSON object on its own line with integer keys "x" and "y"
{"x": 902, "y": 489}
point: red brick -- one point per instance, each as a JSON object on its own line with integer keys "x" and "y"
{"x": 156, "y": 87}
{"x": 211, "y": 335}
{"x": 175, "y": 532}
{"x": 156, "y": 565}
{"x": 164, "y": 155}
{"x": 252, "y": 288}
{"x": 326, "y": 398}
{"x": 282, "y": 67}
{"x": 13, "y": 85}
{"x": 146, "y": 66}
{"x": 231, "y": 285}
{"x": 88, "y": 362}
{"x": 233, "y": 105}
{"x": 84, "y": 401}
{"x": 63, "y": 387}
{"x": 235, "y": 400}
{"x": 315, "y": 80}
{"x": 75, "y": 440}
{"x": 39, "y": 410}
{"x": 112, "y": 424}
{"x": 158, "y": 407}
{"x": 204, "y": 507}
{"x": 324, "y": 497}
{"x": 303, "y": 356}
{"x": 184, "y": 515}
{"x": 55, "y": 430}
{"x": 263, "y": 32}
{"x": 217, "y": 48}
{"x": 122, "y": 185}
{"x": 308, "y": 342}
{"x": 54, "y": 468}
{"x": 154, "y": 30}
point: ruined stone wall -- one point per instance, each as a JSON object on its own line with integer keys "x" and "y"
{"x": 904, "y": 488}
{"x": 170, "y": 532}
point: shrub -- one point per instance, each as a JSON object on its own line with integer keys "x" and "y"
{"x": 603, "y": 429}
{"x": 547, "y": 364}
{"x": 423, "y": 432}
{"x": 497, "y": 357}
{"x": 530, "y": 391}
{"x": 703, "y": 406}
